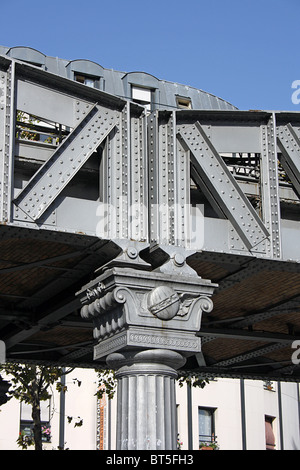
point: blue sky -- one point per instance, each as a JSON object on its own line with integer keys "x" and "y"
{"x": 245, "y": 51}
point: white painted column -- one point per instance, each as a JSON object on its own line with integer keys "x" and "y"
{"x": 146, "y": 409}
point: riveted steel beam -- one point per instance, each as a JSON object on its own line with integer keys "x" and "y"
{"x": 265, "y": 315}
{"x": 251, "y": 354}
{"x": 240, "y": 334}
{"x": 289, "y": 145}
{"x": 123, "y": 180}
{"x": 220, "y": 186}
{"x": 7, "y": 80}
{"x": 44, "y": 322}
{"x": 114, "y": 181}
{"x": 270, "y": 187}
{"x": 37, "y": 99}
{"x": 65, "y": 162}
{"x": 161, "y": 174}
{"x": 169, "y": 183}
{"x": 138, "y": 218}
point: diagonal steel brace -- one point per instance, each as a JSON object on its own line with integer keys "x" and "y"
{"x": 66, "y": 161}
{"x": 220, "y": 186}
{"x": 289, "y": 144}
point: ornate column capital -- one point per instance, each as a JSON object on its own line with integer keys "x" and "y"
{"x": 134, "y": 308}
{"x": 146, "y": 317}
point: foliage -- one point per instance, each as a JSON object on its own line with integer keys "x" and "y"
{"x": 192, "y": 381}
{"x": 22, "y": 131}
{"x": 107, "y": 383}
{"x": 209, "y": 445}
{"x": 179, "y": 442}
{"x": 31, "y": 381}
{"x": 78, "y": 423}
{"x": 30, "y": 384}
{"x": 24, "y": 441}
{"x": 29, "y": 127}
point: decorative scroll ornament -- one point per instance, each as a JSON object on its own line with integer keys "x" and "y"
{"x": 100, "y": 302}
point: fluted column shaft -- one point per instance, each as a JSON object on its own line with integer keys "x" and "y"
{"x": 146, "y": 409}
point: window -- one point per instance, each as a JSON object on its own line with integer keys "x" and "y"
{"x": 183, "y": 102}
{"x": 142, "y": 96}
{"x": 26, "y": 423}
{"x": 85, "y": 80}
{"x": 206, "y": 425}
{"x": 270, "y": 437}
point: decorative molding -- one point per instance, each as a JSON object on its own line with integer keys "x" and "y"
{"x": 172, "y": 341}
{"x": 148, "y": 338}
{"x": 110, "y": 345}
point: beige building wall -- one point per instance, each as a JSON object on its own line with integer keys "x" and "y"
{"x": 221, "y": 395}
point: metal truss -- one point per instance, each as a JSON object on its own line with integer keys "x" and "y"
{"x": 145, "y": 165}
{"x": 96, "y": 172}
{"x": 210, "y": 172}
{"x": 65, "y": 162}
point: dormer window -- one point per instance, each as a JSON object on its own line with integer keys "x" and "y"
{"x": 28, "y": 55}
{"x": 85, "y": 80}
{"x": 142, "y": 96}
{"x": 86, "y": 72}
{"x": 183, "y": 102}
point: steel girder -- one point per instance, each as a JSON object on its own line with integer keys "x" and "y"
{"x": 7, "y": 77}
{"x": 144, "y": 169}
{"x": 144, "y": 166}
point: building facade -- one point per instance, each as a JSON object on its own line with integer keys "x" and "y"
{"x": 140, "y": 87}
{"x": 235, "y": 414}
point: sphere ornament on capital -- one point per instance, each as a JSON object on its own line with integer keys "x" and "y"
{"x": 163, "y": 302}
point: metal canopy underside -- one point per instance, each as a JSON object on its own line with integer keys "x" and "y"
{"x": 239, "y": 170}
{"x": 249, "y": 332}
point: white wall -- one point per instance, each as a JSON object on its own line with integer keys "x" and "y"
{"x": 81, "y": 403}
{"x": 9, "y": 425}
{"x": 290, "y": 411}
{"x": 259, "y": 403}
{"x": 224, "y": 395}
